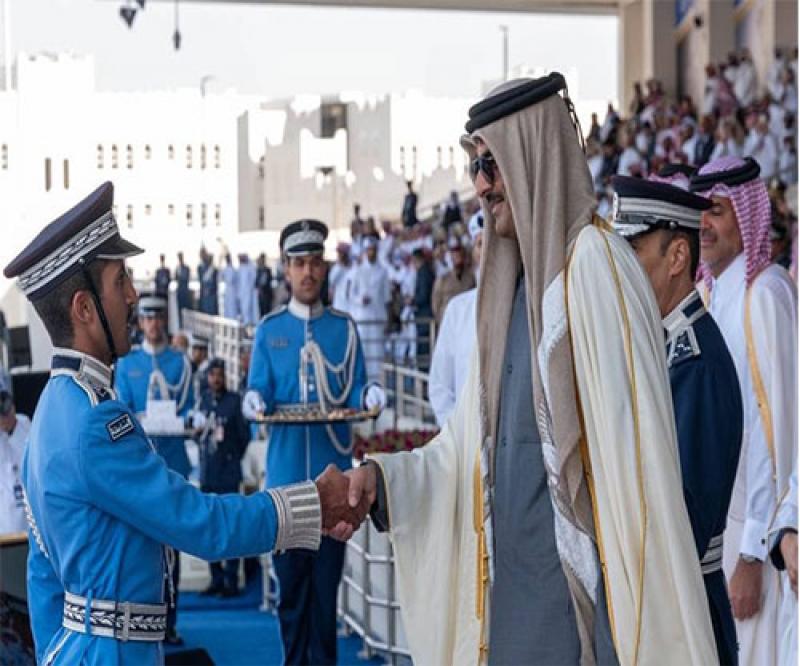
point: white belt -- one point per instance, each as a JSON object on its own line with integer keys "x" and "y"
{"x": 122, "y": 621}
{"x": 712, "y": 560}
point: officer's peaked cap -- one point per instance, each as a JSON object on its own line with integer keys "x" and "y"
{"x": 86, "y": 232}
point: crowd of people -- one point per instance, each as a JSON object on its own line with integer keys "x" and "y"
{"x": 739, "y": 116}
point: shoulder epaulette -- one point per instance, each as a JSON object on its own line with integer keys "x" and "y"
{"x": 683, "y": 348}
{"x": 339, "y": 313}
{"x": 273, "y": 314}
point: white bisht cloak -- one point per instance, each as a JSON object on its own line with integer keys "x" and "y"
{"x": 657, "y": 602}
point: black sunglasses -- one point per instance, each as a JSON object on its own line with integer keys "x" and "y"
{"x": 484, "y": 164}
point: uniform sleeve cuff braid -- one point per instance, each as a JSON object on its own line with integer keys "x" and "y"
{"x": 299, "y": 516}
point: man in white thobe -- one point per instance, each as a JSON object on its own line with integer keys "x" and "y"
{"x": 246, "y": 291}
{"x": 230, "y": 297}
{"x": 755, "y": 306}
{"x": 456, "y": 339}
{"x": 371, "y": 293}
{"x": 340, "y": 279}
{"x": 551, "y": 502}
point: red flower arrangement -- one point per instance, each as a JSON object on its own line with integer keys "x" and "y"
{"x": 391, "y": 441}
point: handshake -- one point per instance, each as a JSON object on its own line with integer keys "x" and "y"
{"x": 346, "y": 498}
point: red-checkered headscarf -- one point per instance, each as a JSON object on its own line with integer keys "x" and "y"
{"x": 738, "y": 180}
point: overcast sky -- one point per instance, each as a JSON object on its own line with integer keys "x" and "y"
{"x": 279, "y": 51}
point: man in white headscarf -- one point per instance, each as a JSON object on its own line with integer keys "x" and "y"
{"x": 754, "y": 303}
{"x": 551, "y": 502}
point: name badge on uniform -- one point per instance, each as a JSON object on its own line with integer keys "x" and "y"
{"x": 119, "y": 427}
{"x": 278, "y": 343}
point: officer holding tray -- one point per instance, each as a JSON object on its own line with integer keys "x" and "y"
{"x": 309, "y": 355}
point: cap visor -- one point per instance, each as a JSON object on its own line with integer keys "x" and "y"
{"x": 117, "y": 248}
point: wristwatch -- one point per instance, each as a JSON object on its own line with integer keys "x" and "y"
{"x": 748, "y": 559}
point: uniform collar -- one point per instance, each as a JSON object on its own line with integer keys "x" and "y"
{"x": 688, "y": 311}
{"x": 302, "y": 311}
{"x": 153, "y": 350}
{"x": 72, "y": 362}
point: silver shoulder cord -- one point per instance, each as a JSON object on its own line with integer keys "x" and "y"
{"x": 344, "y": 373}
{"x": 167, "y": 390}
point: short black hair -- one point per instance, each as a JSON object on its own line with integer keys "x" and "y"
{"x": 54, "y": 308}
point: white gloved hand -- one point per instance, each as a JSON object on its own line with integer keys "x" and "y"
{"x": 375, "y": 398}
{"x": 253, "y": 405}
{"x": 199, "y": 420}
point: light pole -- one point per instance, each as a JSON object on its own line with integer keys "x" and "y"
{"x": 504, "y": 30}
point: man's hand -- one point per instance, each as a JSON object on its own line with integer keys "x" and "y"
{"x": 789, "y": 553}
{"x": 745, "y": 589}
{"x": 253, "y": 405}
{"x": 339, "y": 518}
{"x": 375, "y": 398}
{"x": 198, "y": 420}
{"x": 363, "y": 484}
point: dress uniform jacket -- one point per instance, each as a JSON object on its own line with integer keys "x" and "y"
{"x": 275, "y": 374}
{"x": 708, "y": 417}
{"x": 101, "y": 503}
{"x": 132, "y": 380}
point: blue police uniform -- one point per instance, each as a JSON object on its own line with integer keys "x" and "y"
{"x": 102, "y": 503}
{"x": 162, "y": 281}
{"x": 308, "y": 583}
{"x": 222, "y": 442}
{"x": 708, "y": 417}
{"x": 705, "y": 393}
{"x": 207, "y": 275}
{"x": 98, "y": 500}
{"x": 184, "y": 294}
{"x": 132, "y": 381}
{"x": 275, "y": 374}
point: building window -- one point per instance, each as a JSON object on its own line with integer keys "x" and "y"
{"x": 333, "y": 117}
{"x": 147, "y": 152}
{"x": 148, "y": 209}
{"x": 4, "y": 157}
{"x": 171, "y": 152}
{"x": 203, "y": 214}
{"x": 129, "y": 151}
{"x": 261, "y": 168}
{"x": 188, "y": 215}
{"x": 261, "y": 220}
{"x": 188, "y": 157}
{"x": 66, "y": 174}
{"x": 217, "y": 157}
{"x": 48, "y": 175}
{"x": 114, "y": 157}
{"x": 218, "y": 215}
{"x": 414, "y": 162}
{"x": 171, "y": 209}
{"x": 451, "y": 155}
{"x": 100, "y": 156}
{"x": 129, "y": 216}
{"x": 438, "y": 157}
{"x": 203, "y": 156}
{"x": 403, "y": 160}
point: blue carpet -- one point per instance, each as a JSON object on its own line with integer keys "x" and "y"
{"x": 235, "y": 633}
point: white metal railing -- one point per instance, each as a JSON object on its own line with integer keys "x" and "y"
{"x": 226, "y": 338}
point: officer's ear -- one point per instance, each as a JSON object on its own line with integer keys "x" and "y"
{"x": 679, "y": 256}
{"x": 82, "y": 308}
